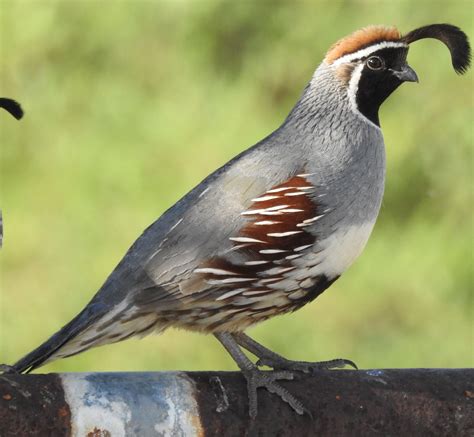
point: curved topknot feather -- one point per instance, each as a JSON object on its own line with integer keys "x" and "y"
{"x": 360, "y": 39}
{"x": 11, "y": 106}
{"x": 453, "y": 37}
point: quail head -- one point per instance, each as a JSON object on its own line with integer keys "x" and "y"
{"x": 270, "y": 230}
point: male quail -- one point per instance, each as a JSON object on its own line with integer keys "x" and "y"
{"x": 270, "y": 230}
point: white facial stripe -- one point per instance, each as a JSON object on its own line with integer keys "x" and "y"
{"x": 367, "y": 51}
{"x": 354, "y": 86}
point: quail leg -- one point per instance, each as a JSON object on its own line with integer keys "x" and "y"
{"x": 277, "y": 362}
{"x": 257, "y": 378}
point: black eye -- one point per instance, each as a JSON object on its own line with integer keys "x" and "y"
{"x": 375, "y": 63}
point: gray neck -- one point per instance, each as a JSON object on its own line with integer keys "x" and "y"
{"x": 343, "y": 150}
{"x": 327, "y": 122}
{"x": 322, "y": 98}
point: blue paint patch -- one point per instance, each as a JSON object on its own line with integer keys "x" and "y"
{"x": 153, "y": 399}
{"x": 374, "y": 372}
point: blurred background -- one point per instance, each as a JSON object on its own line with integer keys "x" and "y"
{"x": 131, "y": 104}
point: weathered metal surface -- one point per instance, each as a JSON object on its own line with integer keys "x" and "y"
{"x": 131, "y": 404}
{"x": 405, "y": 402}
{"x": 33, "y": 405}
{"x": 408, "y": 402}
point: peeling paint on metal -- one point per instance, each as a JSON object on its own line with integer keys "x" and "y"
{"x": 376, "y": 375}
{"x": 220, "y": 394}
{"x": 33, "y": 405}
{"x": 411, "y": 402}
{"x": 145, "y": 404}
{"x": 374, "y": 372}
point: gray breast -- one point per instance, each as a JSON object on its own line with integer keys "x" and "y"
{"x": 350, "y": 179}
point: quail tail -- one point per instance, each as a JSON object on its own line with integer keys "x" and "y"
{"x": 45, "y": 352}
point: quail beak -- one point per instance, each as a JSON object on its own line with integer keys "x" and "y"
{"x": 406, "y": 74}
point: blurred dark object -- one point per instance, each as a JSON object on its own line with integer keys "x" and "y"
{"x": 11, "y": 106}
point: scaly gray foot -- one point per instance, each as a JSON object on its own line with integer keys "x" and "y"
{"x": 257, "y": 378}
{"x": 271, "y": 359}
{"x": 268, "y": 379}
{"x": 304, "y": 366}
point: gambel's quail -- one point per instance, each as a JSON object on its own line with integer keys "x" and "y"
{"x": 270, "y": 230}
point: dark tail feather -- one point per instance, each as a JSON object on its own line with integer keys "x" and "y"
{"x": 38, "y": 356}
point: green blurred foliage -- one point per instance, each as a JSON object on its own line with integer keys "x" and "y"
{"x": 130, "y": 104}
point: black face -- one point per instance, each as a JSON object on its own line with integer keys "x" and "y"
{"x": 383, "y": 72}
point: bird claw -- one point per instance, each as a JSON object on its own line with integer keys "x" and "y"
{"x": 268, "y": 379}
{"x": 305, "y": 366}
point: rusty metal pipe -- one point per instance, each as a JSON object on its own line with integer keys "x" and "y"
{"x": 398, "y": 402}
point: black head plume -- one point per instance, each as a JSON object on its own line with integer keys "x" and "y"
{"x": 453, "y": 37}
{"x": 12, "y": 106}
